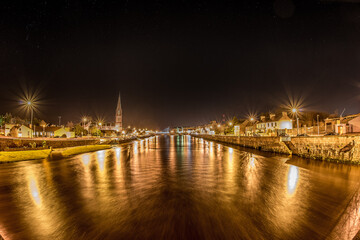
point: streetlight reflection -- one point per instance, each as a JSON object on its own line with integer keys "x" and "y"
{"x": 293, "y": 178}
{"x": 34, "y": 191}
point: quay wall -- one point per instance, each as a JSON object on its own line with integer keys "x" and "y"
{"x": 268, "y": 144}
{"x": 345, "y": 148}
{"x": 13, "y": 143}
{"x": 333, "y": 148}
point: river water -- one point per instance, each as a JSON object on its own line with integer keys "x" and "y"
{"x": 178, "y": 187}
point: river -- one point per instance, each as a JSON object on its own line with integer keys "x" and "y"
{"x": 178, "y": 187}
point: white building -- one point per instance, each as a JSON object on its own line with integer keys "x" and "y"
{"x": 274, "y": 124}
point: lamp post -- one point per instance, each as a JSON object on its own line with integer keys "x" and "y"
{"x": 84, "y": 120}
{"x": 252, "y": 127}
{"x": 30, "y": 105}
{"x": 294, "y": 110}
{"x": 318, "y": 124}
{"x": 99, "y": 128}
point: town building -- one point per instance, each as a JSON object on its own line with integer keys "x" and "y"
{"x": 63, "y": 132}
{"x": 237, "y": 130}
{"x": 343, "y": 125}
{"x": 274, "y": 125}
{"x": 14, "y": 130}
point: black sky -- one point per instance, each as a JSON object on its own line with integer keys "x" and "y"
{"x": 179, "y": 62}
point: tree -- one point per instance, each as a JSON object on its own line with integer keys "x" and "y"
{"x": 17, "y": 120}
{"x": 7, "y": 118}
{"x": 70, "y": 125}
{"x": 94, "y": 131}
{"x": 79, "y": 130}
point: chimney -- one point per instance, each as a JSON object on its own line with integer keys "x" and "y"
{"x": 262, "y": 118}
{"x": 272, "y": 116}
{"x": 284, "y": 114}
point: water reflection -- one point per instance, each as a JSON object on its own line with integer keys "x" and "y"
{"x": 292, "y": 179}
{"x": 177, "y": 187}
{"x": 101, "y": 160}
{"x": 86, "y": 159}
{"x": 34, "y": 191}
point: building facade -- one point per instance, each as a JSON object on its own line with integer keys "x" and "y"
{"x": 342, "y": 125}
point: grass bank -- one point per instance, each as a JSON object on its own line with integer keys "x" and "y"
{"x": 65, "y": 152}
{"x": 14, "y": 156}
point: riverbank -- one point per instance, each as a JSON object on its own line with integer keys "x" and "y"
{"x": 340, "y": 149}
{"x": 66, "y": 152}
{"x": 8, "y": 143}
{"x": 14, "y": 156}
{"x": 18, "y": 154}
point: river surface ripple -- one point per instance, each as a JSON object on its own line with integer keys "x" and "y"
{"x": 178, "y": 187}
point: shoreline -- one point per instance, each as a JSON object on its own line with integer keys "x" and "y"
{"x": 336, "y": 149}
{"x": 56, "y": 153}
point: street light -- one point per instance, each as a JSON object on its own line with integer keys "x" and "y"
{"x": 84, "y": 120}
{"x": 318, "y": 124}
{"x": 294, "y": 110}
{"x": 31, "y": 107}
{"x": 252, "y": 127}
{"x": 99, "y": 128}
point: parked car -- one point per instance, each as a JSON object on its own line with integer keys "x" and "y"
{"x": 283, "y": 135}
{"x": 330, "y": 134}
{"x": 302, "y": 135}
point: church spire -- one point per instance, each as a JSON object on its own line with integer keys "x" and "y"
{"x": 118, "y": 115}
{"x": 118, "y": 108}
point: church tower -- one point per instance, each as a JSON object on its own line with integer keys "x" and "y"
{"x": 118, "y": 116}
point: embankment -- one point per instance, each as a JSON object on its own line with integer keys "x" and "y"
{"x": 14, "y": 156}
{"x": 331, "y": 148}
{"x": 11, "y": 143}
{"x": 268, "y": 144}
{"x": 65, "y": 152}
{"x": 18, "y": 154}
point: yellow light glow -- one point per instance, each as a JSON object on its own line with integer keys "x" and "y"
{"x": 294, "y": 110}
{"x": 293, "y": 178}
{"x": 30, "y": 100}
{"x": 251, "y": 119}
{"x": 34, "y": 191}
{"x": 252, "y": 162}
{"x": 86, "y": 159}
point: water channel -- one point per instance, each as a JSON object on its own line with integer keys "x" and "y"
{"x": 178, "y": 187}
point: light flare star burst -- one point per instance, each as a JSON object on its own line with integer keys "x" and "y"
{"x": 30, "y": 100}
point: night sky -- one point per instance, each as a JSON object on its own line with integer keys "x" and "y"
{"x": 179, "y": 62}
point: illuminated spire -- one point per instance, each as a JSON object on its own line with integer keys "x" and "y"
{"x": 118, "y": 115}
{"x": 118, "y": 108}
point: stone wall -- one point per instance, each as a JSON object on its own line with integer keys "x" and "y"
{"x": 334, "y": 148}
{"x": 344, "y": 148}
{"x": 269, "y": 144}
{"x": 9, "y": 143}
